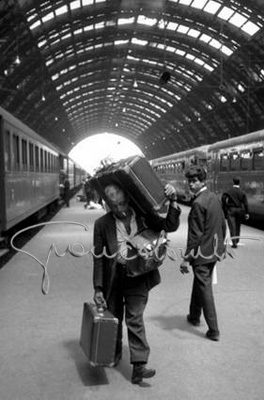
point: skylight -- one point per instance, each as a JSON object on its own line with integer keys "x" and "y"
{"x": 139, "y": 42}
{"x": 124, "y": 21}
{"x": 75, "y": 4}
{"x": 228, "y": 14}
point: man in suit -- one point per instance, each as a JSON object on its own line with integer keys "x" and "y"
{"x": 121, "y": 294}
{"x": 67, "y": 192}
{"x": 235, "y": 206}
{"x": 205, "y": 246}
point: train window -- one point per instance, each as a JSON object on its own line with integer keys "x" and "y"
{"x": 41, "y": 160}
{"x": 54, "y": 159}
{"x": 234, "y": 162}
{"x": 224, "y": 162}
{"x": 246, "y": 160}
{"x": 37, "y": 158}
{"x": 258, "y": 159}
{"x": 16, "y": 153}
{"x": 209, "y": 165}
{"x": 24, "y": 154}
{"x": 45, "y": 161}
{"x": 49, "y": 164}
{"x": 65, "y": 165}
{"x": 7, "y": 151}
{"x": 31, "y": 156}
{"x": 203, "y": 162}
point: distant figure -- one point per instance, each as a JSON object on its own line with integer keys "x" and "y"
{"x": 88, "y": 192}
{"x": 205, "y": 246}
{"x": 235, "y": 206}
{"x": 67, "y": 192}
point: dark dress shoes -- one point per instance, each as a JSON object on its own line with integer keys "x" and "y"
{"x": 213, "y": 335}
{"x": 193, "y": 321}
{"x": 140, "y": 372}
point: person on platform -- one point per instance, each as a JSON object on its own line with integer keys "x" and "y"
{"x": 121, "y": 294}
{"x": 205, "y": 246}
{"x": 235, "y": 206}
{"x": 88, "y": 192}
{"x": 67, "y": 192}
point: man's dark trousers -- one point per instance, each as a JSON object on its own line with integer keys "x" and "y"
{"x": 130, "y": 294}
{"x": 202, "y": 296}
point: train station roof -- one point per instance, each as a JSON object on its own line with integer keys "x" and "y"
{"x": 168, "y": 75}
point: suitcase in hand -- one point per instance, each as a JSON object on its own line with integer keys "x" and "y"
{"x": 98, "y": 335}
{"x": 136, "y": 176}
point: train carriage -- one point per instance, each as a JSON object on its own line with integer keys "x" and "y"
{"x": 29, "y": 177}
{"x": 241, "y": 156}
{"x": 31, "y": 171}
{"x": 171, "y": 169}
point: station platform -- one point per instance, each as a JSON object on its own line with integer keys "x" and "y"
{"x": 41, "y": 358}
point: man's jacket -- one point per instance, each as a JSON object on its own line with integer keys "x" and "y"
{"x": 206, "y": 230}
{"x": 105, "y": 239}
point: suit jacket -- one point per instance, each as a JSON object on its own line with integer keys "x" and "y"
{"x": 235, "y": 197}
{"x": 105, "y": 239}
{"x": 206, "y": 229}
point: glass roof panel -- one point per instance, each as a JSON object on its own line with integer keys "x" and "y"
{"x": 48, "y": 17}
{"x": 212, "y": 7}
{"x": 237, "y": 20}
{"x": 215, "y": 43}
{"x": 199, "y": 3}
{"x": 205, "y": 38}
{"x": 250, "y": 28}
{"x": 120, "y": 42}
{"x": 194, "y": 33}
{"x": 226, "y": 50}
{"x": 180, "y": 52}
{"x": 139, "y": 42}
{"x": 35, "y": 25}
{"x": 199, "y": 61}
{"x": 61, "y": 10}
{"x": 99, "y": 25}
{"x": 172, "y": 26}
{"x": 186, "y": 2}
{"x": 225, "y": 13}
{"x": 182, "y": 29}
{"x": 88, "y": 28}
{"x": 75, "y": 4}
{"x": 124, "y": 21}
{"x": 146, "y": 21}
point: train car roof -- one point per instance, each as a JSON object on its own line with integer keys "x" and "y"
{"x": 181, "y": 154}
{"x": 26, "y": 129}
{"x": 256, "y": 138}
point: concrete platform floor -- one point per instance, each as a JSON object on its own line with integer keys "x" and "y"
{"x": 40, "y": 355}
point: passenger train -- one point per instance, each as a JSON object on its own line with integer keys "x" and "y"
{"x": 241, "y": 156}
{"x": 32, "y": 171}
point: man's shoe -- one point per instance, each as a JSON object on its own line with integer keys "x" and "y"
{"x": 213, "y": 336}
{"x": 192, "y": 321}
{"x": 140, "y": 372}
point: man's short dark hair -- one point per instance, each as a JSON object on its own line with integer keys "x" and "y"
{"x": 196, "y": 171}
{"x": 236, "y": 180}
